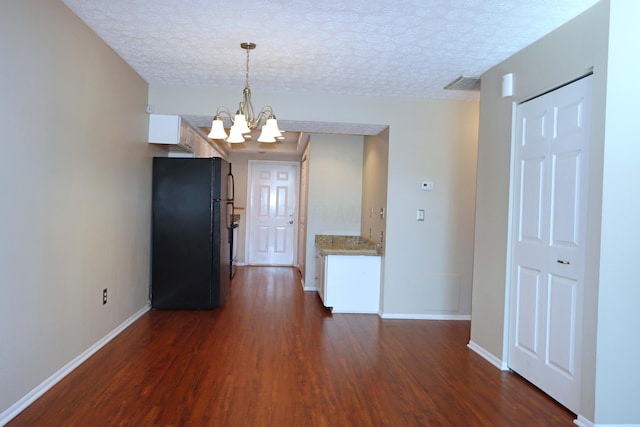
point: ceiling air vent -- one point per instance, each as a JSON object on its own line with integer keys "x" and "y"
{"x": 464, "y": 83}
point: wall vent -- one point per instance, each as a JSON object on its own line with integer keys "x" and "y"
{"x": 464, "y": 83}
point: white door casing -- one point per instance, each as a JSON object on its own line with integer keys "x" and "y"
{"x": 548, "y": 245}
{"x": 272, "y": 213}
{"x": 302, "y": 216}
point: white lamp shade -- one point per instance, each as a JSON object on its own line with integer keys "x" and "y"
{"x": 266, "y": 135}
{"x": 241, "y": 122}
{"x": 217, "y": 130}
{"x": 235, "y": 136}
{"x": 273, "y": 126}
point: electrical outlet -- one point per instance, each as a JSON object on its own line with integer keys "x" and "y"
{"x": 104, "y": 296}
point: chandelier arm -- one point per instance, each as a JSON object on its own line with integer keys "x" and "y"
{"x": 262, "y": 117}
{"x": 266, "y": 113}
{"x": 268, "y": 110}
{"x": 224, "y": 111}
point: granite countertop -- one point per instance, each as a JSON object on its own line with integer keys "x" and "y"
{"x": 346, "y": 245}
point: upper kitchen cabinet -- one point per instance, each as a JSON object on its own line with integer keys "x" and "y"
{"x": 169, "y": 130}
{"x": 200, "y": 145}
{"x": 179, "y": 137}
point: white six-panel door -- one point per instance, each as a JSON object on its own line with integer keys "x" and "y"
{"x": 548, "y": 246}
{"x": 272, "y": 213}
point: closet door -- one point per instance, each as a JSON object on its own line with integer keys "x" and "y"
{"x": 548, "y": 246}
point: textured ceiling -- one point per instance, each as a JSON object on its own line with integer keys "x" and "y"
{"x": 409, "y": 48}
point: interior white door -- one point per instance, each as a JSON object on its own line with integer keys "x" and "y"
{"x": 548, "y": 246}
{"x": 272, "y": 213}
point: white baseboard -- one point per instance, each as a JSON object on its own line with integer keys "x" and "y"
{"x": 502, "y": 365}
{"x": 310, "y": 288}
{"x": 426, "y": 316}
{"x": 334, "y": 311}
{"x": 41, "y": 389}
{"x": 583, "y": 422}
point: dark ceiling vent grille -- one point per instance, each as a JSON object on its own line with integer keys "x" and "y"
{"x": 464, "y": 83}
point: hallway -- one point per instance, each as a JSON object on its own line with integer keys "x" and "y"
{"x": 273, "y": 356}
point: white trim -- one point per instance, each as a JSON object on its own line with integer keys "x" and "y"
{"x": 426, "y": 316}
{"x": 309, "y": 288}
{"x": 333, "y": 311}
{"x": 41, "y": 389}
{"x": 583, "y": 422}
{"x": 506, "y": 318}
{"x": 488, "y": 356}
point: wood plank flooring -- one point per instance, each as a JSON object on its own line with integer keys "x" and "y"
{"x": 273, "y": 356}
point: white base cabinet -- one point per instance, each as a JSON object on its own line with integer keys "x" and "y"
{"x": 348, "y": 283}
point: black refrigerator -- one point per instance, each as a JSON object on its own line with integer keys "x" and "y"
{"x": 192, "y": 205}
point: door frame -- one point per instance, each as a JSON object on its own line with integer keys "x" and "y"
{"x": 510, "y": 227}
{"x": 247, "y": 237}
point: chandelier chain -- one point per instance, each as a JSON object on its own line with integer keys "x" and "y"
{"x": 246, "y": 80}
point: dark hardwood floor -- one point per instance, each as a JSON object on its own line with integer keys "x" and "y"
{"x": 273, "y": 356}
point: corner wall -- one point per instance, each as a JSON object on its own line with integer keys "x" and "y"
{"x": 598, "y": 40}
{"x": 374, "y": 187}
{"x": 75, "y": 178}
{"x": 334, "y": 192}
{"x": 618, "y": 349}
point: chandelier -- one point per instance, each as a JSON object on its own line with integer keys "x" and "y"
{"x": 244, "y": 120}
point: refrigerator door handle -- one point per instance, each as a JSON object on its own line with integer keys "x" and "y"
{"x": 228, "y": 216}
{"x": 231, "y": 185}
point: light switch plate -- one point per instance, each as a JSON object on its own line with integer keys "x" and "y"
{"x": 420, "y": 215}
{"x": 426, "y": 185}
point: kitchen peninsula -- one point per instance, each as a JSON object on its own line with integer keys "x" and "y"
{"x": 348, "y": 273}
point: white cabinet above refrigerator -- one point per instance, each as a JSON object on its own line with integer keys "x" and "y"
{"x": 170, "y": 130}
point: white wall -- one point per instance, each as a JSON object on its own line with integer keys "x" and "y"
{"x": 618, "y": 349}
{"x": 375, "y": 164}
{"x": 427, "y": 265}
{"x": 335, "y": 191}
{"x": 75, "y": 177}
{"x": 610, "y": 374}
